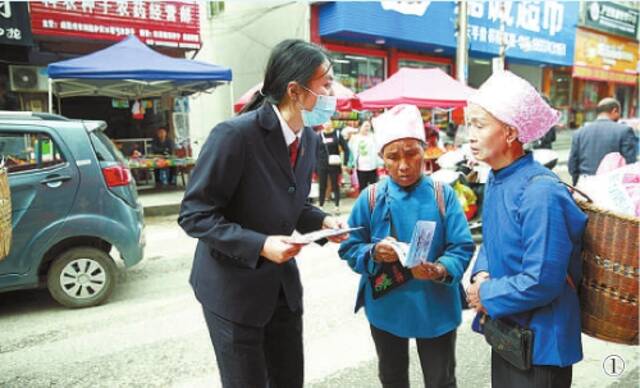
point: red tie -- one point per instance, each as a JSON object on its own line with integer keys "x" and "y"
{"x": 293, "y": 152}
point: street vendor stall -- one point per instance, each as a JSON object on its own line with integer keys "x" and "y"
{"x": 130, "y": 69}
{"x": 432, "y": 90}
{"x": 425, "y": 88}
{"x": 139, "y": 80}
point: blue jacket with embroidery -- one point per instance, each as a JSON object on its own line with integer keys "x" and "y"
{"x": 419, "y": 308}
{"x": 532, "y": 232}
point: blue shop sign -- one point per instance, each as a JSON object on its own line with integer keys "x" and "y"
{"x": 418, "y": 26}
{"x": 540, "y": 31}
{"x": 537, "y": 31}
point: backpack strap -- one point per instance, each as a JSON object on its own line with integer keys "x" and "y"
{"x": 569, "y": 279}
{"x": 372, "y": 197}
{"x": 439, "y": 189}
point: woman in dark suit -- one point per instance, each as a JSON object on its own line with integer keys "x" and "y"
{"x": 247, "y": 194}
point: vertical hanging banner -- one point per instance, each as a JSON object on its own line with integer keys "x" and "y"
{"x": 158, "y": 23}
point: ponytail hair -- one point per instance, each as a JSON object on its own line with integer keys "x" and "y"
{"x": 290, "y": 60}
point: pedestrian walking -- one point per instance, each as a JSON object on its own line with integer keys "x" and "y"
{"x": 424, "y": 302}
{"x": 596, "y": 139}
{"x": 247, "y": 194}
{"x": 524, "y": 276}
{"x": 333, "y": 152}
{"x": 364, "y": 156}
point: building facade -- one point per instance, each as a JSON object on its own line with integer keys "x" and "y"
{"x": 240, "y": 36}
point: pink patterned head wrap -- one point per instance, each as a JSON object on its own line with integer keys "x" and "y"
{"x": 403, "y": 121}
{"x": 515, "y": 102}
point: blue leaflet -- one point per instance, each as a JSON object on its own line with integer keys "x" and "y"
{"x": 420, "y": 243}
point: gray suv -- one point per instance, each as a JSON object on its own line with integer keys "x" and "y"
{"x": 73, "y": 200}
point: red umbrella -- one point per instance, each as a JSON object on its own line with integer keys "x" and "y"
{"x": 347, "y": 99}
{"x": 425, "y": 88}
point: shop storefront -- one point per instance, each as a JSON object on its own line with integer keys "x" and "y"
{"x": 606, "y": 60}
{"x": 369, "y": 41}
{"x": 15, "y": 43}
{"x": 70, "y": 29}
{"x": 369, "y": 37}
{"x": 537, "y": 36}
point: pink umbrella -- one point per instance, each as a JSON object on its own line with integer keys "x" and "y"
{"x": 425, "y": 88}
{"x": 347, "y": 99}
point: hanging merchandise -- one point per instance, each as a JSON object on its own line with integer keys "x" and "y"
{"x": 468, "y": 199}
{"x": 137, "y": 111}
{"x": 119, "y": 103}
{"x": 181, "y": 105}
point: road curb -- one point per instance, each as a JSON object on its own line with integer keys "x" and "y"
{"x": 161, "y": 210}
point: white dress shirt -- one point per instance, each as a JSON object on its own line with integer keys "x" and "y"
{"x": 289, "y": 135}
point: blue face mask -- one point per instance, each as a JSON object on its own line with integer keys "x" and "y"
{"x": 322, "y": 111}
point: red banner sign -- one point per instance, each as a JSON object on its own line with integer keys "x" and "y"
{"x": 160, "y": 23}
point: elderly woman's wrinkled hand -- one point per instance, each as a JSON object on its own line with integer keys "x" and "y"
{"x": 384, "y": 252}
{"x": 473, "y": 292}
{"x": 429, "y": 271}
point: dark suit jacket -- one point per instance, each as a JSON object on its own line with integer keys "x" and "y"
{"x": 592, "y": 142}
{"x": 243, "y": 189}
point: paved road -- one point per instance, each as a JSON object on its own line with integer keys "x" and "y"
{"x": 152, "y": 334}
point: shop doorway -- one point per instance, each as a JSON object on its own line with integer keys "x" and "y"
{"x": 623, "y": 94}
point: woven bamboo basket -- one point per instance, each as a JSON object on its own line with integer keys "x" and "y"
{"x": 610, "y": 274}
{"x": 5, "y": 213}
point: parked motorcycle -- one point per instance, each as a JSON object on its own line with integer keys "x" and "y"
{"x": 458, "y": 170}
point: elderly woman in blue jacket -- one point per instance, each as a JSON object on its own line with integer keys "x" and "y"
{"x": 424, "y": 302}
{"x": 526, "y": 269}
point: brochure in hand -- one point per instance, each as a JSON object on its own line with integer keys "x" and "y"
{"x": 417, "y": 251}
{"x": 319, "y": 235}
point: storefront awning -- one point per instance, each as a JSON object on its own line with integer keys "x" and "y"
{"x": 347, "y": 99}
{"x": 130, "y": 69}
{"x": 425, "y": 88}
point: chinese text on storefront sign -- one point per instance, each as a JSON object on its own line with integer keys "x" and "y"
{"x": 14, "y": 24}
{"x": 530, "y": 28}
{"x": 166, "y": 23}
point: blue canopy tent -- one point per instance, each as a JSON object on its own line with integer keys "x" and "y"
{"x": 129, "y": 69}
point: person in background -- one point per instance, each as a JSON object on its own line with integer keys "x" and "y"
{"x": 596, "y": 139}
{"x": 433, "y": 150}
{"x": 427, "y": 304}
{"x": 364, "y": 156}
{"x": 247, "y": 194}
{"x": 330, "y": 162}
{"x": 529, "y": 263}
{"x": 546, "y": 142}
{"x": 163, "y": 146}
{"x": 8, "y": 100}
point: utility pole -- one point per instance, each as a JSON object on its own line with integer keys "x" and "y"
{"x": 498, "y": 63}
{"x": 462, "y": 55}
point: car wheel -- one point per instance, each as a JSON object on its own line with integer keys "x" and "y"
{"x": 81, "y": 277}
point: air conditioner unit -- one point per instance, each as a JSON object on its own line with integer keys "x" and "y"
{"x": 28, "y": 78}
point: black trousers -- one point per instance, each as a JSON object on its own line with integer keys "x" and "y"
{"x": 323, "y": 175}
{"x": 366, "y": 178}
{"x": 505, "y": 375}
{"x": 259, "y": 357}
{"x": 437, "y": 359}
